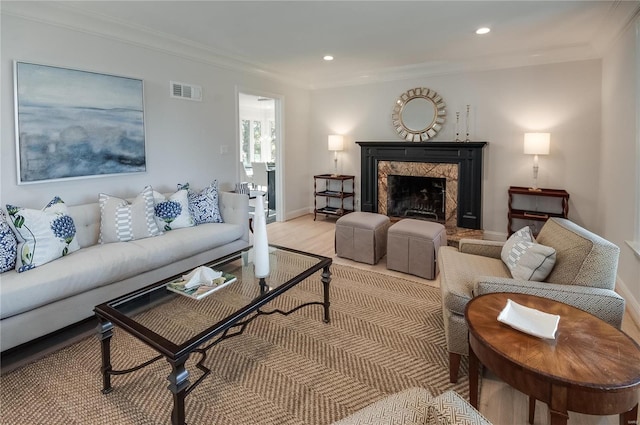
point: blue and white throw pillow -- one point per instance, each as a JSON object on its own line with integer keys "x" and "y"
{"x": 8, "y": 245}
{"x": 173, "y": 212}
{"x": 203, "y": 205}
{"x": 123, "y": 221}
{"x": 43, "y": 235}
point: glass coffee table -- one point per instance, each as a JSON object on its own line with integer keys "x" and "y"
{"x": 157, "y": 316}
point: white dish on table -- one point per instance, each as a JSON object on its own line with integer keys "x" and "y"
{"x": 529, "y": 320}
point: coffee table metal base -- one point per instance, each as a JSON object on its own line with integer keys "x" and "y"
{"x": 179, "y": 384}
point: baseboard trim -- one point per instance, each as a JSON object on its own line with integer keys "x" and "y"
{"x": 632, "y": 305}
{"x": 297, "y": 213}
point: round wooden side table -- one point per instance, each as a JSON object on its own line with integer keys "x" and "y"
{"x": 590, "y": 367}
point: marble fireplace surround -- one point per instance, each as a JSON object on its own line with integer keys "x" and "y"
{"x": 449, "y": 172}
{"x": 461, "y": 161}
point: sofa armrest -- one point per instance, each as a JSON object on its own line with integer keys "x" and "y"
{"x": 234, "y": 208}
{"x": 481, "y": 247}
{"x": 602, "y": 303}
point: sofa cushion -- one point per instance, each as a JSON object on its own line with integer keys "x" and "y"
{"x": 459, "y": 272}
{"x": 172, "y": 212}
{"x": 203, "y": 205}
{"x": 189, "y": 241}
{"x": 43, "y": 235}
{"x": 8, "y": 245}
{"x": 526, "y": 259}
{"x": 100, "y": 265}
{"x": 121, "y": 221}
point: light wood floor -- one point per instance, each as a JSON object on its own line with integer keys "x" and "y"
{"x": 501, "y": 404}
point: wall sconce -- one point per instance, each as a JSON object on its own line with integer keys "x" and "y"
{"x": 536, "y": 144}
{"x": 336, "y": 143}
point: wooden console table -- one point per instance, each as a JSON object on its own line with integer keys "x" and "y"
{"x": 536, "y": 214}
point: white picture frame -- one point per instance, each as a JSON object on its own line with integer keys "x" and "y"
{"x": 73, "y": 124}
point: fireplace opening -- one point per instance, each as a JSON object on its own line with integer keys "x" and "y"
{"x": 417, "y": 197}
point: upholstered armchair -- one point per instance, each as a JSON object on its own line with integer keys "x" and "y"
{"x": 416, "y": 406}
{"x": 583, "y": 276}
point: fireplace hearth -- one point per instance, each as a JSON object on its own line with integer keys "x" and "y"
{"x": 458, "y": 164}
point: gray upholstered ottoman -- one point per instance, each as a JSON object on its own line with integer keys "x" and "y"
{"x": 412, "y": 246}
{"x": 362, "y": 236}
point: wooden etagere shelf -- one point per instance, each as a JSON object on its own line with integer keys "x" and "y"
{"x": 327, "y": 192}
{"x": 536, "y": 213}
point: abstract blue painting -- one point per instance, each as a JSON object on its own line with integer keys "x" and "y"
{"x": 75, "y": 124}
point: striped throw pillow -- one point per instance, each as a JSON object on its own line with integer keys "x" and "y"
{"x": 123, "y": 221}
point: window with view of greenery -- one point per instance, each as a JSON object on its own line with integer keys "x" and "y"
{"x": 257, "y": 141}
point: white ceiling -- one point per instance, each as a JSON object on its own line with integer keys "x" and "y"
{"x": 370, "y": 40}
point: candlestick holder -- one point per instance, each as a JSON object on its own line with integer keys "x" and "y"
{"x": 468, "y": 139}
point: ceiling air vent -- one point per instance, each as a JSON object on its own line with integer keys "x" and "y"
{"x": 185, "y": 91}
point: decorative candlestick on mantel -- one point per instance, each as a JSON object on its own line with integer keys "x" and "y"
{"x": 458, "y": 127}
{"x": 468, "y": 139}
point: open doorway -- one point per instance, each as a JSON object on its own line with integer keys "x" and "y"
{"x": 259, "y": 145}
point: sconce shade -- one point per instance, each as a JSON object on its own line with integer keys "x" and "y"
{"x": 336, "y": 142}
{"x": 537, "y": 143}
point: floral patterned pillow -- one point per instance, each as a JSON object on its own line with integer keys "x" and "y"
{"x": 173, "y": 212}
{"x": 8, "y": 245}
{"x": 43, "y": 235}
{"x": 203, "y": 205}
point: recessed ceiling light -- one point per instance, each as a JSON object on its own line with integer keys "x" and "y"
{"x": 328, "y": 58}
{"x": 483, "y": 30}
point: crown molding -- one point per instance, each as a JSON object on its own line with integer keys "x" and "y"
{"x": 619, "y": 17}
{"x": 486, "y": 63}
{"x": 67, "y": 17}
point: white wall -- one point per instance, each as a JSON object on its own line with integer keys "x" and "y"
{"x": 563, "y": 99}
{"x": 183, "y": 137}
{"x": 617, "y": 213}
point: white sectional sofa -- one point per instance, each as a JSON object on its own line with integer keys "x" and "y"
{"x": 57, "y": 294}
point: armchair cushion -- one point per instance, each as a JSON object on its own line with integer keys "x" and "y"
{"x": 526, "y": 259}
{"x": 461, "y": 272}
{"x": 582, "y": 257}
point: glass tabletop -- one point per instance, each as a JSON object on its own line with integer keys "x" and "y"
{"x": 173, "y": 322}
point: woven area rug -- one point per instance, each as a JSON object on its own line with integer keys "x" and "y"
{"x": 386, "y": 334}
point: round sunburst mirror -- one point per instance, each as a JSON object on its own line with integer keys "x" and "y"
{"x": 418, "y": 114}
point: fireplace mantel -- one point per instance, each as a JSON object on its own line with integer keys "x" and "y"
{"x": 468, "y": 156}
